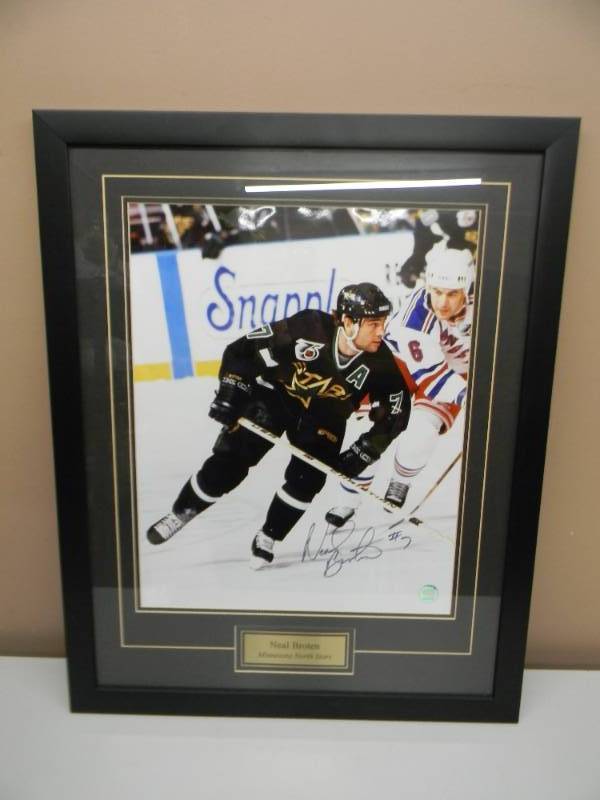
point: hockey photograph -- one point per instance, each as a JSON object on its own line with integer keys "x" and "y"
{"x": 299, "y": 384}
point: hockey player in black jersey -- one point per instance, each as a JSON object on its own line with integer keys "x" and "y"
{"x": 304, "y": 375}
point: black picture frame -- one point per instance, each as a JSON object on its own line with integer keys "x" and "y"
{"x": 57, "y": 133}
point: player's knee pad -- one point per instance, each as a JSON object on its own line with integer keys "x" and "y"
{"x": 303, "y": 481}
{"x": 425, "y": 419}
{"x": 240, "y": 447}
{"x": 234, "y": 453}
{"x": 220, "y": 475}
{"x": 415, "y": 446}
{"x": 428, "y": 414}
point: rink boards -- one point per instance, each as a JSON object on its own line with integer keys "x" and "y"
{"x": 185, "y": 309}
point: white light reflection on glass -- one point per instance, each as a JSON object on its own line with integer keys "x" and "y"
{"x": 251, "y": 219}
{"x": 345, "y": 186}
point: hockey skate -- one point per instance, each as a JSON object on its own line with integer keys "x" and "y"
{"x": 396, "y": 493}
{"x": 168, "y": 526}
{"x": 262, "y": 551}
{"x": 339, "y": 515}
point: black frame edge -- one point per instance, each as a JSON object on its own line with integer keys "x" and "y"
{"x": 56, "y": 243}
{"x": 244, "y": 129}
{"x": 55, "y": 131}
{"x": 534, "y": 406}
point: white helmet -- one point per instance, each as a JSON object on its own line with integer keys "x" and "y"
{"x": 449, "y": 269}
{"x": 466, "y": 217}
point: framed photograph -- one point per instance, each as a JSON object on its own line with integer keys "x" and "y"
{"x": 300, "y": 374}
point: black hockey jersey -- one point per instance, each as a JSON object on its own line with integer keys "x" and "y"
{"x": 299, "y": 358}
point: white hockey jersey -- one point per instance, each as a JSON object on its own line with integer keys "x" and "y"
{"x": 434, "y": 352}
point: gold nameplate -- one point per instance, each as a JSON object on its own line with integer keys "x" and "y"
{"x": 297, "y": 651}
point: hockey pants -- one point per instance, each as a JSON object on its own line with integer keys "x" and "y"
{"x": 236, "y": 451}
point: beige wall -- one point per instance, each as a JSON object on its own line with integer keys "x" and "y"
{"x": 538, "y": 57}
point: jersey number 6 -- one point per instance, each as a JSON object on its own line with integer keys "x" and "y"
{"x": 415, "y": 350}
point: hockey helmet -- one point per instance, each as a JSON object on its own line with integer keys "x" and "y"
{"x": 361, "y": 300}
{"x": 448, "y": 269}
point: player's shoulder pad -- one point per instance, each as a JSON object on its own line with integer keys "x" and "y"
{"x": 386, "y": 374}
{"x": 310, "y": 313}
{"x": 415, "y": 312}
{"x": 383, "y": 358}
{"x": 309, "y": 319}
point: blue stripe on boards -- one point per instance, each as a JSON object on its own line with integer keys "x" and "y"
{"x": 174, "y": 311}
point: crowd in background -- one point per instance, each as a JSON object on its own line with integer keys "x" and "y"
{"x": 164, "y": 226}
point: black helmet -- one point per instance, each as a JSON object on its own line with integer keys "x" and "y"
{"x": 360, "y": 300}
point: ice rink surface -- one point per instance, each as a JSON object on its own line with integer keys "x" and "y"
{"x": 375, "y": 566}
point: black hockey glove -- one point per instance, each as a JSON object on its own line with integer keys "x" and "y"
{"x": 360, "y": 455}
{"x": 212, "y": 245}
{"x": 215, "y": 242}
{"x": 391, "y": 418}
{"x": 231, "y": 398}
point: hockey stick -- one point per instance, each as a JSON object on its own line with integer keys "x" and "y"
{"x": 418, "y": 523}
{"x": 314, "y": 462}
{"x": 415, "y": 520}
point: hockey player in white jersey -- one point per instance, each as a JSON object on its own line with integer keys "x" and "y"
{"x": 430, "y": 337}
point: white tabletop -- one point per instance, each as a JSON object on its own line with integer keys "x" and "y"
{"x": 46, "y": 752}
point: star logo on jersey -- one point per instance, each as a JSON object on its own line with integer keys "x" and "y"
{"x": 306, "y": 350}
{"x": 305, "y": 386}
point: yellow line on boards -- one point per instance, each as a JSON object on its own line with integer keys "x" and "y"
{"x": 210, "y": 368}
{"x": 163, "y": 371}
{"x": 152, "y": 372}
